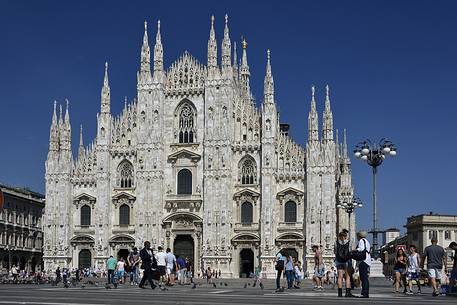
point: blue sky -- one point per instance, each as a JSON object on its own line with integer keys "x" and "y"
{"x": 391, "y": 67}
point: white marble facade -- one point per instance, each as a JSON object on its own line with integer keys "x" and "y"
{"x": 192, "y": 163}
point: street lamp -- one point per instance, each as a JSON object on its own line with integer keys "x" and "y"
{"x": 349, "y": 204}
{"x": 374, "y": 154}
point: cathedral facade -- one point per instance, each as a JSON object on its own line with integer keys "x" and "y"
{"x": 192, "y": 163}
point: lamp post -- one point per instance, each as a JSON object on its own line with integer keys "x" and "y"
{"x": 349, "y": 204}
{"x": 374, "y": 154}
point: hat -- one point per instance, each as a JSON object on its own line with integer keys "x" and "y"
{"x": 362, "y": 234}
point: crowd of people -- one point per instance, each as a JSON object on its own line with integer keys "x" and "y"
{"x": 351, "y": 268}
{"x": 159, "y": 269}
{"x": 409, "y": 268}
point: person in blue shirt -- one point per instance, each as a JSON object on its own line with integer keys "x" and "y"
{"x": 182, "y": 269}
{"x": 111, "y": 266}
{"x": 289, "y": 268}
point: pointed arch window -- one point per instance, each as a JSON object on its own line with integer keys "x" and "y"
{"x": 184, "y": 182}
{"x": 246, "y": 213}
{"x": 85, "y": 215}
{"x": 248, "y": 171}
{"x": 125, "y": 174}
{"x": 124, "y": 215}
{"x": 290, "y": 212}
{"x": 186, "y": 124}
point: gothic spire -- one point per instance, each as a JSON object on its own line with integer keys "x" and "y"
{"x": 105, "y": 95}
{"x": 345, "y": 146}
{"x": 67, "y": 115}
{"x": 65, "y": 129}
{"x": 327, "y": 118}
{"x": 54, "y": 132}
{"x": 226, "y": 47}
{"x": 60, "y": 119}
{"x": 313, "y": 127}
{"x": 244, "y": 72}
{"x": 235, "y": 64}
{"x": 268, "y": 83}
{"x": 145, "y": 51}
{"x": 144, "y": 75}
{"x": 81, "y": 143}
{"x": 158, "y": 51}
{"x": 212, "y": 46}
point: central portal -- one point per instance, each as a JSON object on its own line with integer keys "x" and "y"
{"x": 246, "y": 263}
{"x": 184, "y": 247}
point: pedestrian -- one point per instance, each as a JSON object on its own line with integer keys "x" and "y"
{"x": 134, "y": 262}
{"x": 319, "y": 268}
{"x": 182, "y": 269}
{"x": 209, "y": 275}
{"x": 15, "y": 273}
{"x": 298, "y": 274}
{"x": 171, "y": 267}
{"x": 148, "y": 264}
{"x": 161, "y": 258}
{"x": 120, "y": 270}
{"x": 280, "y": 263}
{"x": 413, "y": 269}
{"x": 289, "y": 270}
{"x": 363, "y": 258}
{"x": 111, "y": 266}
{"x": 436, "y": 260}
{"x": 401, "y": 263}
{"x": 342, "y": 261}
{"x": 453, "y": 278}
{"x": 58, "y": 275}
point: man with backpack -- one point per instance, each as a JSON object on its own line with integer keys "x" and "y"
{"x": 342, "y": 261}
{"x": 363, "y": 258}
{"x": 280, "y": 263}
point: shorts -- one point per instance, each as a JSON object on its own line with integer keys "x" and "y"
{"x": 434, "y": 274}
{"x": 341, "y": 266}
{"x": 400, "y": 270}
{"x": 120, "y": 273}
{"x": 319, "y": 272}
{"x": 161, "y": 270}
{"x": 412, "y": 275}
{"x": 169, "y": 269}
{"x": 453, "y": 274}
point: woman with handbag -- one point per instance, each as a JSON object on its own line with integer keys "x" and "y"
{"x": 401, "y": 263}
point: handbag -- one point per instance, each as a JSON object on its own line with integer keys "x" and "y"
{"x": 360, "y": 255}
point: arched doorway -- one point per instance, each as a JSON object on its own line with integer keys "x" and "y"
{"x": 183, "y": 246}
{"x": 246, "y": 262}
{"x": 291, "y": 252}
{"x": 33, "y": 264}
{"x": 84, "y": 258}
{"x": 124, "y": 253}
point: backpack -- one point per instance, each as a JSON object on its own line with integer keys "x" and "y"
{"x": 343, "y": 254}
{"x": 360, "y": 255}
{"x": 279, "y": 265}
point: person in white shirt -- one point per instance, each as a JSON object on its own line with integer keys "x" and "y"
{"x": 364, "y": 265}
{"x": 413, "y": 269}
{"x": 161, "y": 263}
{"x": 120, "y": 267}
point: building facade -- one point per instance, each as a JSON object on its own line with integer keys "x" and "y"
{"x": 391, "y": 234}
{"x": 420, "y": 230}
{"x": 21, "y": 234}
{"x": 193, "y": 164}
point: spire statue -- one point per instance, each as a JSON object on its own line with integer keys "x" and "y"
{"x": 327, "y": 118}
{"x": 313, "y": 127}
